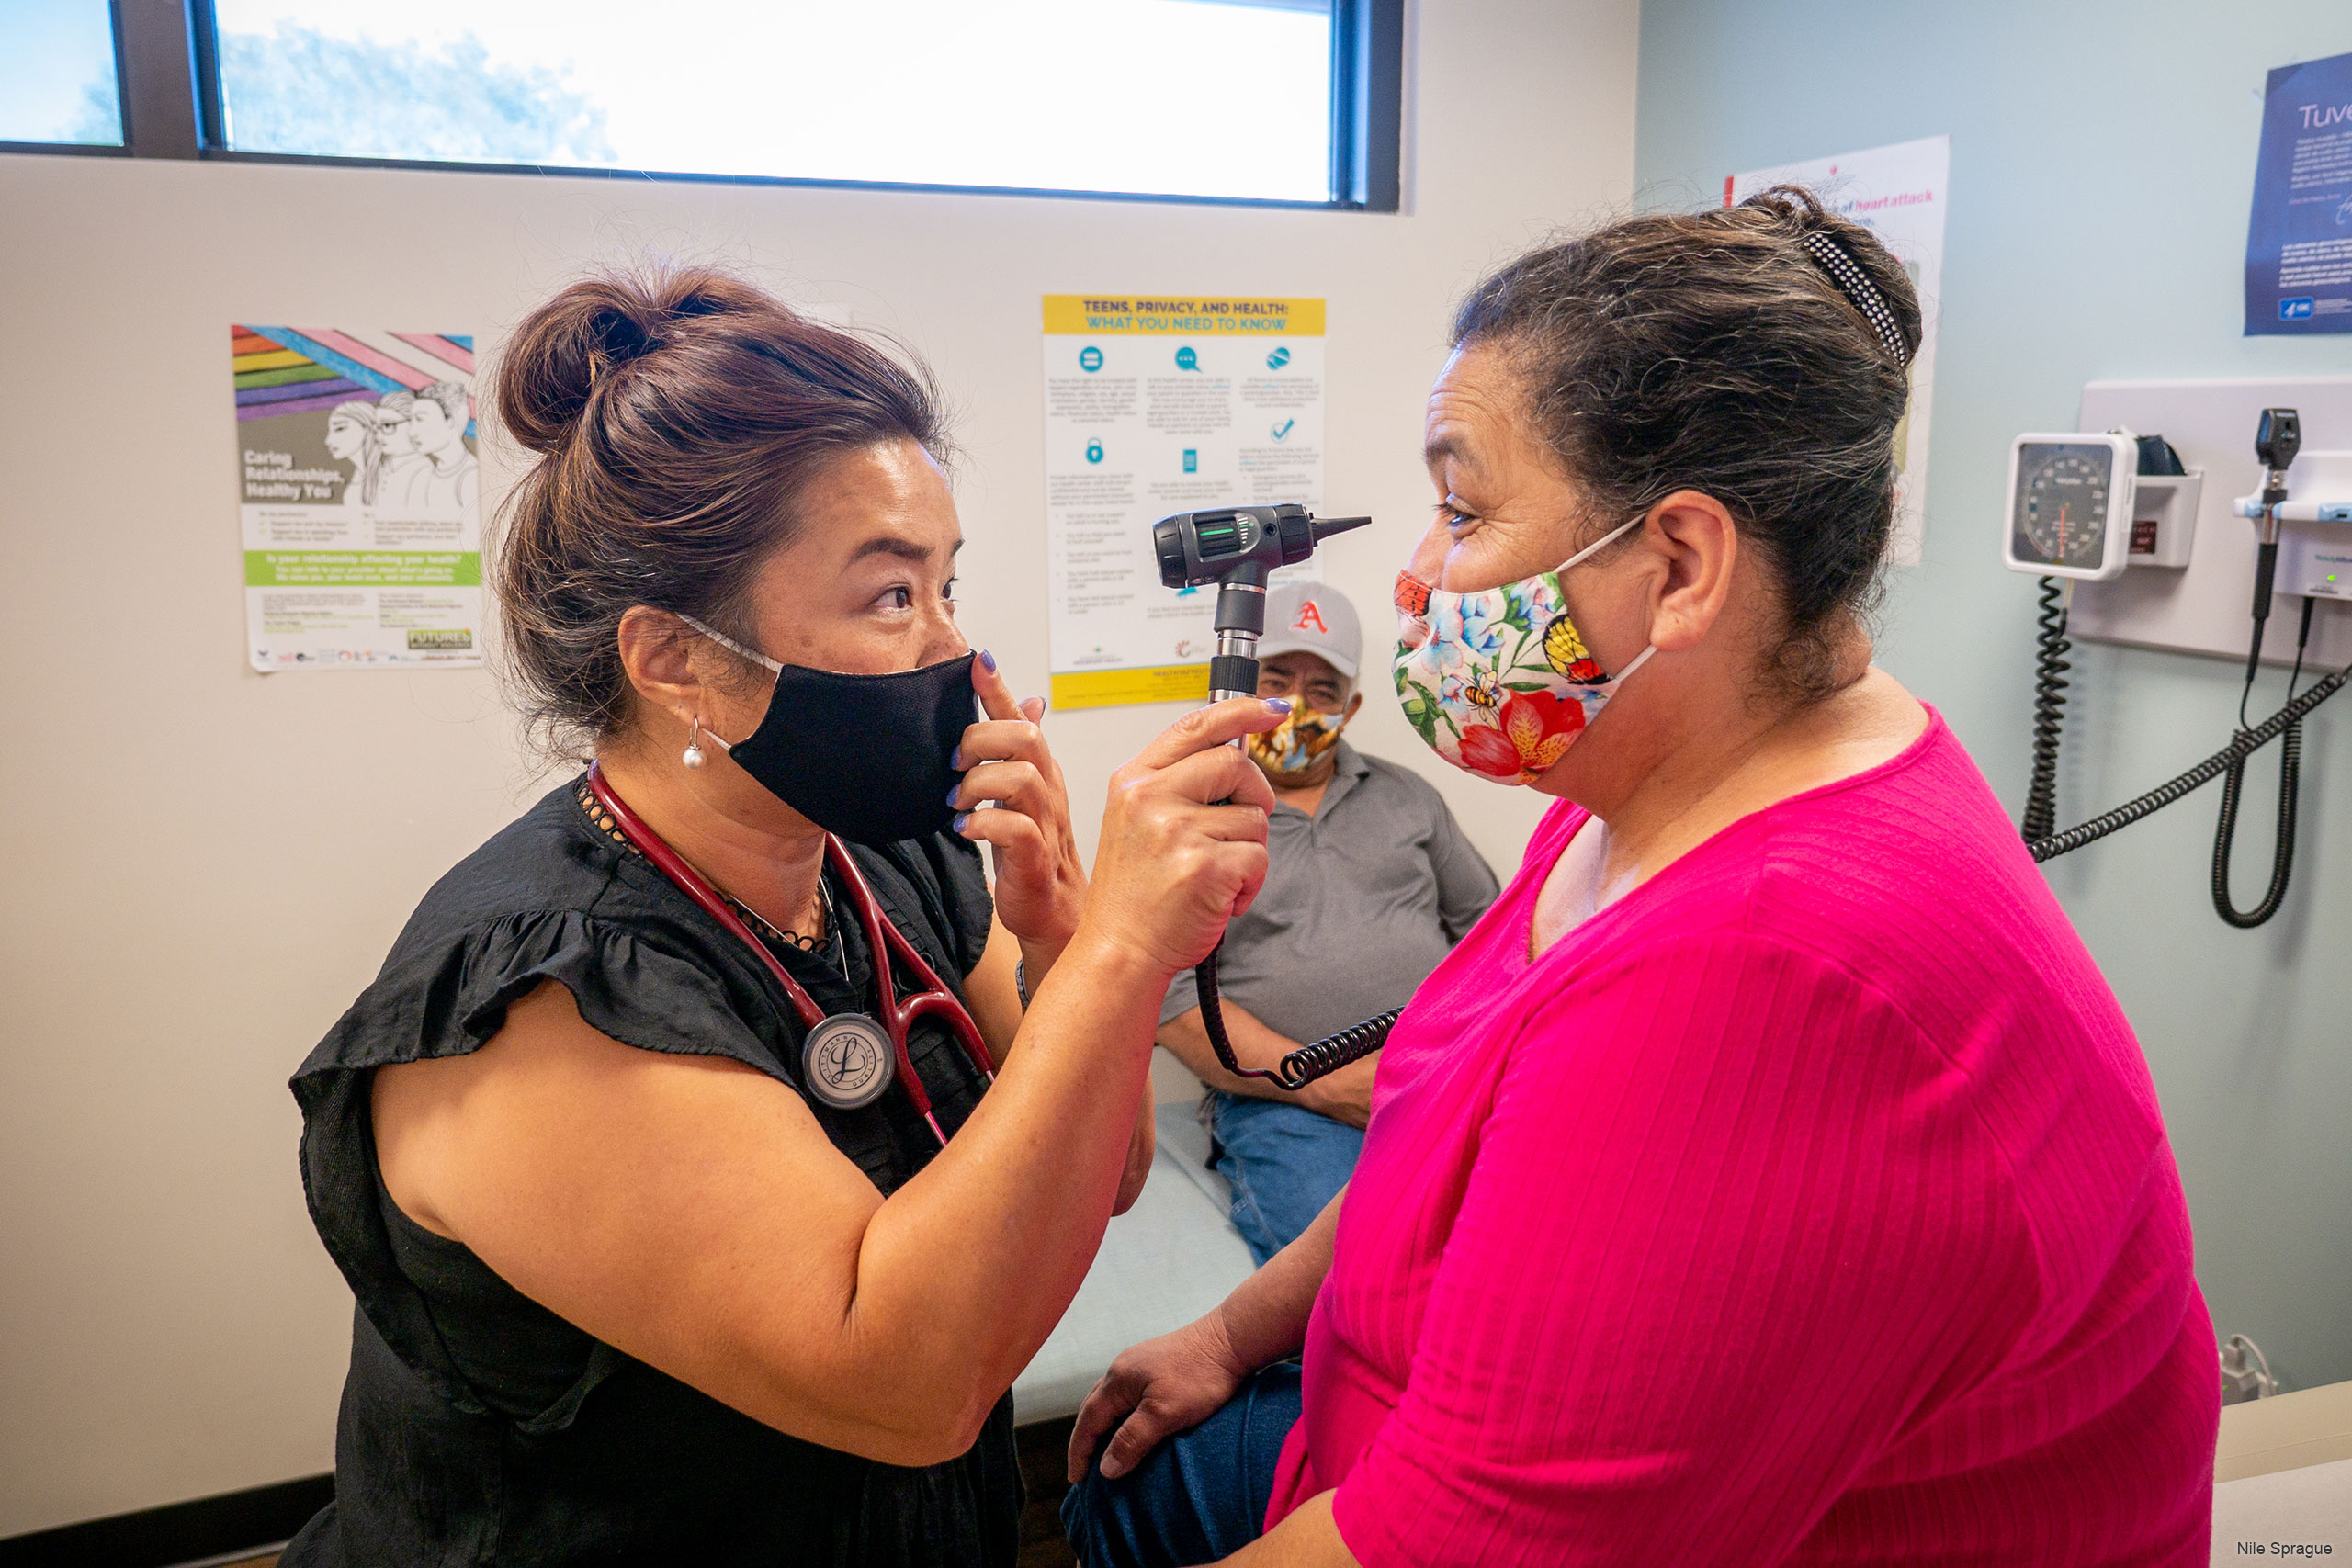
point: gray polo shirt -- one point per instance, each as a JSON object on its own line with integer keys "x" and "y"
{"x": 1362, "y": 900}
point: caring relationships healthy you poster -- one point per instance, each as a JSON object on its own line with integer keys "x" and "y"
{"x": 360, "y": 496}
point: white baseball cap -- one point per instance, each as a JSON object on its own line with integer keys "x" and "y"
{"x": 1312, "y": 617}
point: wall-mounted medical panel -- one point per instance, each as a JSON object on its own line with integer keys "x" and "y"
{"x": 2204, "y": 607}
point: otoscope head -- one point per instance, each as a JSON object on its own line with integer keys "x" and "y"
{"x": 2278, "y": 438}
{"x": 2276, "y": 441}
{"x": 1238, "y": 544}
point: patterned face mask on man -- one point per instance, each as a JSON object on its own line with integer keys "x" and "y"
{"x": 1289, "y": 751}
{"x": 1499, "y": 682}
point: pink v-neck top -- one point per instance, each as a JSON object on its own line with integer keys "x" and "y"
{"x": 1808, "y": 1204}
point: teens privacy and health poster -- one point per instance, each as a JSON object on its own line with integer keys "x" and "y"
{"x": 1897, "y": 193}
{"x": 360, "y": 496}
{"x": 1158, "y": 404}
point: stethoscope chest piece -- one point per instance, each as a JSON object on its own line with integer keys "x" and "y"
{"x": 847, "y": 1061}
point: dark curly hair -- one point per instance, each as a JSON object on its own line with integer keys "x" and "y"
{"x": 1709, "y": 351}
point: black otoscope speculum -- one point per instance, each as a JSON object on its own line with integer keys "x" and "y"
{"x": 1236, "y": 547}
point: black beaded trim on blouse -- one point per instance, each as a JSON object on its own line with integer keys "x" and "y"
{"x": 604, "y": 823}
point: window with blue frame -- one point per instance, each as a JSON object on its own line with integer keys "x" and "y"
{"x": 59, "y": 82}
{"x": 1200, "y": 98}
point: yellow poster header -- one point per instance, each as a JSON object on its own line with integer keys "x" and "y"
{"x": 1115, "y": 688}
{"x": 1177, "y": 315}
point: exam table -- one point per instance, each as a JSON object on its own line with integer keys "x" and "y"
{"x": 1163, "y": 1263}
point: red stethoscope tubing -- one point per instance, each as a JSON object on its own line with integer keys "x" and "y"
{"x": 883, "y": 941}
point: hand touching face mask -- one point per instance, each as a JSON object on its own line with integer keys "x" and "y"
{"x": 870, "y": 758}
{"x": 1500, "y": 682}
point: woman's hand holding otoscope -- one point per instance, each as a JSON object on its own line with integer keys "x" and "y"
{"x": 1184, "y": 845}
{"x": 1236, "y": 547}
{"x": 1194, "y": 781}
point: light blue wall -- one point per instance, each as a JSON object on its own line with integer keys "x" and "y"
{"x": 2102, "y": 159}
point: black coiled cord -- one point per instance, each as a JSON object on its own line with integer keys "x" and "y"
{"x": 2290, "y": 757}
{"x": 2282, "y": 854}
{"x": 2244, "y": 744}
{"x": 1333, "y": 1052}
{"x": 2049, "y": 710}
{"x": 1306, "y": 1064}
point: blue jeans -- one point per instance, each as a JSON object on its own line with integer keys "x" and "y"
{"x": 1284, "y": 1163}
{"x": 1199, "y": 1496}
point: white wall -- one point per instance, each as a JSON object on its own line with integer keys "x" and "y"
{"x": 205, "y": 864}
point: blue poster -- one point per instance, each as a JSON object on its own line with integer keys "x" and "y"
{"x": 2298, "y": 241}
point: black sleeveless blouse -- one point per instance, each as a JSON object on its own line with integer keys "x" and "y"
{"x": 479, "y": 1426}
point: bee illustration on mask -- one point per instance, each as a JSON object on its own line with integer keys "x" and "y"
{"x": 1484, "y": 688}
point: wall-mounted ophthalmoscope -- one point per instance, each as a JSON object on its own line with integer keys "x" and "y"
{"x": 2070, "y": 496}
{"x": 1236, "y": 547}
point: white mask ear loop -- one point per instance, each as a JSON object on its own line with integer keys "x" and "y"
{"x": 693, "y": 758}
{"x": 1639, "y": 660}
{"x": 731, "y": 646}
{"x": 1617, "y": 533}
{"x": 1614, "y": 534}
{"x": 1601, "y": 544}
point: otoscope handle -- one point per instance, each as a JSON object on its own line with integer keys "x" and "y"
{"x": 1239, "y": 621}
{"x": 2265, "y": 566}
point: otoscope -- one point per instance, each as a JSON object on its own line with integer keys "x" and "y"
{"x": 2276, "y": 440}
{"x": 1236, "y": 547}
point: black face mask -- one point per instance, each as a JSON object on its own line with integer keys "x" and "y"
{"x": 867, "y": 757}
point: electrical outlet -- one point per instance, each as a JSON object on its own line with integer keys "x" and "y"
{"x": 2245, "y": 1371}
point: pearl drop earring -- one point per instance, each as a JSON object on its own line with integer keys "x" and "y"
{"x": 692, "y": 759}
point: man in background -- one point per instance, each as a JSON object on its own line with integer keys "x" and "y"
{"x": 1369, "y": 883}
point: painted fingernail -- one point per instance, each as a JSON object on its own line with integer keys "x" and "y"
{"x": 956, "y": 759}
{"x": 1277, "y": 704}
{"x": 961, "y": 817}
{"x": 988, "y": 660}
{"x": 953, "y": 790}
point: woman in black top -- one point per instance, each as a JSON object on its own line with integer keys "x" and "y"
{"x": 628, "y": 1288}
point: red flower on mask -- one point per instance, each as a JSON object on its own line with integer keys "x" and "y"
{"x": 1533, "y": 733}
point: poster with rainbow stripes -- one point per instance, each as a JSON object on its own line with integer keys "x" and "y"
{"x": 360, "y": 496}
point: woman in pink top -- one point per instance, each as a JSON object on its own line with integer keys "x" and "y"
{"x": 1770, "y": 1177}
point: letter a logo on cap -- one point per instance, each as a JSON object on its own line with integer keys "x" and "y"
{"x": 1309, "y": 617}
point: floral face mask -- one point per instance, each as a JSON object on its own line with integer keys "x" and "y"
{"x": 1499, "y": 683}
{"x": 1289, "y": 751}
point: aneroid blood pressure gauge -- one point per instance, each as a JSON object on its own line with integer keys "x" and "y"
{"x": 2070, "y": 504}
